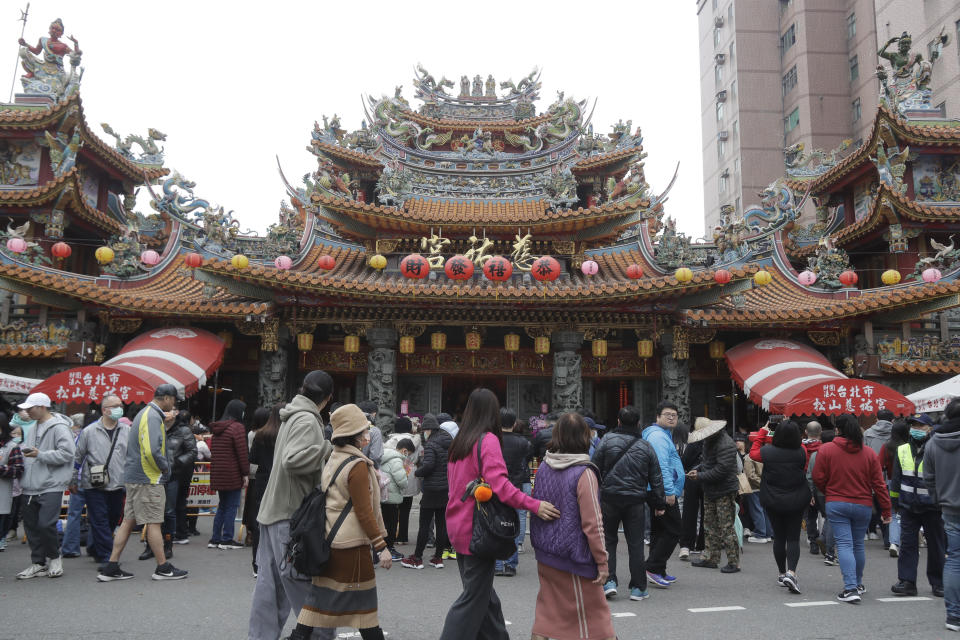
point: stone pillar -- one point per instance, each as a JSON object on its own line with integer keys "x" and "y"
{"x": 567, "y": 381}
{"x": 382, "y": 371}
{"x": 675, "y": 379}
{"x": 272, "y": 381}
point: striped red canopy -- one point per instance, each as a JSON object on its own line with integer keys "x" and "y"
{"x": 181, "y": 356}
{"x": 789, "y": 378}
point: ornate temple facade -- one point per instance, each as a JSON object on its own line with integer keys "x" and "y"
{"x": 476, "y": 236}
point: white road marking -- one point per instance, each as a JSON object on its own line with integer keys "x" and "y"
{"x": 508, "y": 622}
{"x": 354, "y": 634}
{"x": 625, "y": 614}
{"x": 819, "y": 603}
{"x": 714, "y": 609}
{"x": 907, "y": 599}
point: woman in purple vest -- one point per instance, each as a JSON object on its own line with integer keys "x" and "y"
{"x": 571, "y": 556}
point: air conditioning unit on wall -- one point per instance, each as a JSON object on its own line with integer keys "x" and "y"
{"x": 720, "y": 58}
{"x": 722, "y": 96}
{"x": 723, "y": 135}
{"x": 718, "y": 21}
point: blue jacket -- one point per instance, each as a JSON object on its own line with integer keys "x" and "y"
{"x": 670, "y": 465}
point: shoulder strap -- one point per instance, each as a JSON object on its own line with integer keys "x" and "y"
{"x": 113, "y": 443}
{"x": 346, "y": 508}
{"x": 479, "y": 458}
{"x": 623, "y": 453}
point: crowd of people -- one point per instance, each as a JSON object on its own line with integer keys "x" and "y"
{"x": 704, "y": 491}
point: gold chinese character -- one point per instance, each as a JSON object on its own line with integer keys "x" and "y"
{"x": 477, "y": 255}
{"x": 434, "y": 244}
{"x": 522, "y": 259}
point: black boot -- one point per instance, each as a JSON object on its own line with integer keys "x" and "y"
{"x": 147, "y": 553}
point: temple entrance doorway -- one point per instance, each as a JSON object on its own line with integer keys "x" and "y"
{"x": 457, "y": 388}
{"x": 608, "y": 397}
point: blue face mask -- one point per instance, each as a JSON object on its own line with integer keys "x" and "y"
{"x": 116, "y": 413}
{"x": 18, "y": 439}
{"x": 918, "y": 434}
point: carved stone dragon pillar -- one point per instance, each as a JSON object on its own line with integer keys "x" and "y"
{"x": 675, "y": 379}
{"x": 567, "y": 379}
{"x": 382, "y": 372}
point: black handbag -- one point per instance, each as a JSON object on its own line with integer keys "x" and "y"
{"x": 309, "y": 547}
{"x": 495, "y": 525}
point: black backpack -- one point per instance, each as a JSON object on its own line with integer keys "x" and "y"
{"x": 309, "y": 547}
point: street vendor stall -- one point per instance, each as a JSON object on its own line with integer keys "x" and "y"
{"x": 180, "y": 356}
{"x": 789, "y": 378}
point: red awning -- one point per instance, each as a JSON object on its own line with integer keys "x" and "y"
{"x": 789, "y": 378}
{"x": 181, "y": 356}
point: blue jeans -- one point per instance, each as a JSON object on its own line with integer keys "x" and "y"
{"x": 104, "y": 510}
{"x": 850, "y": 522}
{"x": 71, "y": 537}
{"x": 225, "y": 516}
{"x": 951, "y": 568}
{"x": 895, "y": 523}
{"x": 762, "y": 528}
{"x": 513, "y": 560}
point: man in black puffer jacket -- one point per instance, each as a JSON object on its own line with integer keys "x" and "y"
{"x": 630, "y": 474}
{"x": 718, "y": 477}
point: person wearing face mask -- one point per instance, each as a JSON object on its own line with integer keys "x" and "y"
{"x": 9, "y": 534}
{"x": 300, "y": 456}
{"x": 103, "y": 443}
{"x": 917, "y": 509}
{"x": 229, "y": 472}
{"x": 11, "y": 468}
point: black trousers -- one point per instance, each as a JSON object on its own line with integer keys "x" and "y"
{"x": 909, "y": 558}
{"x": 633, "y": 518}
{"x": 439, "y": 516}
{"x": 476, "y": 614}
{"x": 786, "y": 538}
{"x": 40, "y": 515}
{"x": 810, "y": 515}
{"x": 664, "y": 534}
{"x": 692, "y": 516}
{"x": 403, "y": 520}
{"x": 391, "y": 515}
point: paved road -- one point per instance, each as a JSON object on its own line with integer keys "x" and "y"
{"x": 214, "y": 601}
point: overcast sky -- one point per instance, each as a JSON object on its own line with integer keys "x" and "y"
{"x": 232, "y": 87}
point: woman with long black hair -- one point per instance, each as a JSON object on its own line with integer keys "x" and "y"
{"x": 476, "y": 613}
{"x": 229, "y": 471}
{"x": 261, "y": 454}
{"x": 784, "y": 493}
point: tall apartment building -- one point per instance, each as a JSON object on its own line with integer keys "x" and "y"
{"x": 777, "y": 72}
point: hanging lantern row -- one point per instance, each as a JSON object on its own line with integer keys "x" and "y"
{"x": 283, "y": 263}
{"x": 545, "y": 269}
{"x": 458, "y": 268}
{"x": 304, "y": 341}
{"x": 497, "y": 269}
{"x": 473, "y": 340}
{"x": 351, "y": 344}
{"x": 407, "y": 345}
{"x": 17, "y": 245}
{"x": 415, "y": 267}
{"x": 104, "y": 255}
{"x": 722, "y": 276}
{"x": 511, "y": 342}
{"x": 589, "y": 268}
{"x": 645, "y": 349}
{"x": 634, "y": 272}
{"x": 598, "y": 348}
{"x": 762, "y": 278}
{"x": 240, "y": 261}
{"x": 807, "y": 278}
{"x": 150, "y": 257}
{"x": 683, "y": 275}
{"x": 61, "y": 250}
{"x": 193, "y": 260}
{"x": 931, "y": 275}
{"x": 326, "y": 262}
{"x": 717, "y": 349}
{"x": 377, "y": 262}
{"x": 438, "y": 341}
{"x": 541, "y": 345}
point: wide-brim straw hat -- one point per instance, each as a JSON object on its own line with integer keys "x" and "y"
{"x": 348, "y": 420}
{"x": 703, "y": 428}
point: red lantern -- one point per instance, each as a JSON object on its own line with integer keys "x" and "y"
{"x": 848, "y": 278}
{"x": 545, "y": 269}
{"x": 193, "y": 260}
{"x": 721, "y": 276}
{"x": 326, "y": 262}
{"x": 497, "y": 269}
{"x": 458, "y": 268}
{"x": 61, "y": 250}
{"x": 634, "y": 272}
{"x": 415, "y": 266}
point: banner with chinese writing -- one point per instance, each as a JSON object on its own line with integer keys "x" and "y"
{"x": 852, "y": 395}
{"x": 90, "y": 384}
{"x": 16, "y": 384}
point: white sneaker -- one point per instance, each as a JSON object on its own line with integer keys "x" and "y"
{"x": 758, "y": 540}
{"x": 684, "y": 553}
{"x": 56, "y": 567}
{"x": 873, "y": 536}
{"x": 33, "y": 571}
{"x": 894, "y": 551}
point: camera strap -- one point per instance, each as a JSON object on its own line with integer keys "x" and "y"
{"x": 113, "y": 444}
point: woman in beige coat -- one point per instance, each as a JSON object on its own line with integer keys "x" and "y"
{"x": 345, "y": 594}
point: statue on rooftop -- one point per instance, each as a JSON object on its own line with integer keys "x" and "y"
{"x": 527, "y": 82}
{"x": 490, "y": 87}
{"x": 150, "y": 153}
{"x": 908, "y": 87}
{"x": 464, "y": 87}
{"x": 477, "y": 87}
{"x": 43, "y": 63}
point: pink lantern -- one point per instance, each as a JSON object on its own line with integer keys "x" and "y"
{"x": 283, "y": 263}
{"x": 931, "y": 275}
{"x": 149, "y": 257}
{"x": 807, "y": 278}
{"x": 589, "y": 268}
{"x": 17, "y": 245}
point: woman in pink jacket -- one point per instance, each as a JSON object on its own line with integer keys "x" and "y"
{"x": 476, "y": 614}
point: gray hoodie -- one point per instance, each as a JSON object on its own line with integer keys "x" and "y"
{"x": 877, "y": 435}
{"x": 52, "y": 469}
{"x": 298, "y": 460}
{"x": 941, "y": 470}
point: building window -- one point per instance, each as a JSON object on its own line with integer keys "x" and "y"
{"x": 855, "y": 106}
{"x": 718, "y": 75}
{"x": 715, "y": 4}
{"x": 785, "y": 6}
{"x": 854, "y": 69}
{"x": 733, "y": 51}
{"x": 737, "y": 206}
{"x": 722, "y": 184}
{"x": 730, "y": 13}
{"x": 789, "y": 80}
{"x": 733, "y": 89}
{"x": 719, "y": 112}
{"x": 957, "y": 29}
{"x": 788, "y": 39}
{"x": 790, "y": 122}
{"x": 716, "y": 36}
{"x": 735, "y": 131}
{"x": 851, "y": 26}
{"x": 721, "y": 148}
{"x": 736, "y": 166}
